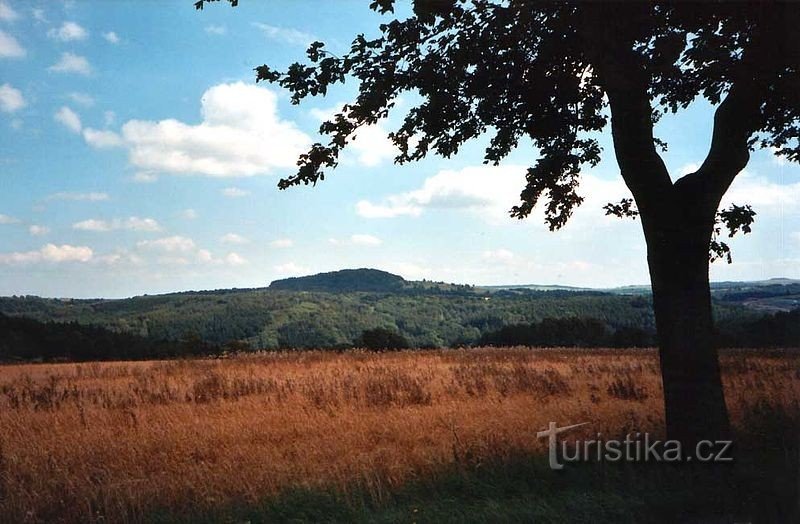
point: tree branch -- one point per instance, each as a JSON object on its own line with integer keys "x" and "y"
{"x": 738, "y": 116}
{"x": 624, "y": 78}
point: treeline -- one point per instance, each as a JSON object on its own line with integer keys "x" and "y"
{"x": 27, "y": 339}
{"x": 577, "y": 332}
{"x": 778, "y": 330}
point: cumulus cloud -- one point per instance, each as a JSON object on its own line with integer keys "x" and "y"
{"x": 285, "y": 34}
{"x": 173, "y": 244}
{"x": 101, "y": 138}
{"x": 79, "y": 197}
{"x": 111, "y": 37}
{"x": 10, "y": 47}
{"x": 490, "y": 190}
{"x": 762, "y": 193}
{"x": 241, "y": 135}
{"x": 234, "y": 192}
{"x": 11, "y": 99}
{"x": 7, "y": 14}
{"x": 69, "y": 119}
{"x": 233, "y": 238}
{"x": 72, "y": 63}
{"x": 37, "y": 231}
{"x": 131, "y": 224}
{"x": 189, "y": 214}
{"x": 49, "y": 253}
{"x": 282, "y": 243}
{"x": 5, "y": 219}
{"x": 68, "y": 32}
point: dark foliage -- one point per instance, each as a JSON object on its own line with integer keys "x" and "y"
{"x": 372, "y": 280}
{"x": 381, "y": 339}
{"x": 27, "y": 339}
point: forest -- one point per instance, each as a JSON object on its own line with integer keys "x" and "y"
{"x": 334, "y": 311}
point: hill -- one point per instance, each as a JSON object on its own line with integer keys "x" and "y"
{"x": 345, "y": 280}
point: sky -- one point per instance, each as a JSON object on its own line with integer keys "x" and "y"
{"x": 138, "y": 156}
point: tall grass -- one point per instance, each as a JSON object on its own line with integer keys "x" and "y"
{"x": 115, "y": 441}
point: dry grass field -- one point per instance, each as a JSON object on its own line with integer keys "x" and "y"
{"x": 116, "y": 441}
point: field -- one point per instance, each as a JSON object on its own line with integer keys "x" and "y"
{"x": 141, "y": 441}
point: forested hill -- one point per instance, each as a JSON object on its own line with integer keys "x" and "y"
{"x": 335, "y": 309}
{"x": 345, "y": 280}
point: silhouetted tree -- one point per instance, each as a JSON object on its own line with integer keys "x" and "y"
{"x": 553, "y": 72}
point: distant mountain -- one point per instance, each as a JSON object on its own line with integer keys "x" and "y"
{"x": 345, "y": 280}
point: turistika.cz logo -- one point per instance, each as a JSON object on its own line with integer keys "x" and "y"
{"x": 635, "y": 447}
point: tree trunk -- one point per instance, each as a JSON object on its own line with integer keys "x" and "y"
{"x": 693, "y": 396}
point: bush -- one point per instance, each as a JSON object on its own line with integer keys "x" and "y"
{"x": 381, "y": 338}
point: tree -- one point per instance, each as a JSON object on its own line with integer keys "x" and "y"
{"x": 381, "y": 339}
{"x": 553, "y": 73}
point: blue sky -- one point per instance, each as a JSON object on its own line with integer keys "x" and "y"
{"x": 138, "y": 156}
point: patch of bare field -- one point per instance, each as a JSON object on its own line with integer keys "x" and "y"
{"x": 113, "y": 441}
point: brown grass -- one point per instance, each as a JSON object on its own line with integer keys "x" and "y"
{"x": 86, "y": 442}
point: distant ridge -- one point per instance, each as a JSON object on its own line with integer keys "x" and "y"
{"x": 363, "y": 279}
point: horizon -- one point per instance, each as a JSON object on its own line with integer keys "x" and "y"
{"x": 128, "y": 172}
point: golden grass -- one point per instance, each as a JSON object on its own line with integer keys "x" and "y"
{"x": 85, "y": 442}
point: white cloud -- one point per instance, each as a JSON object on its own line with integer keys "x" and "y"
{"x": 189, "y": 214}
{"x": 72, "y": 63}
{"x": 111, "y": 37}
{"x": 69, "y": 119}
{"x": 173, "y": 244}
{"x": 49, "y": 253}
{"x": 234, "y": 192}
{"x": 285, "y": 34}
{"x": 109, "y": 117}
{"x": 498, "y": 255}
{"x": 38, "y": 230}
{"x": 370, "y": 144}
{"x": 234, "y": 259}
{"x": 81, "y": 98}
{"x": 10, "y": 47}
{"x": 143, "y": 177}
{"x": 762, "y": 193}
{"x": 101, "y": 139}
{"x": 489, "y": 190}
{"x": 131, "y": 224}
{"x": 68, "y": 32}
{"x": 38, "y": 15}
{"x": 233, "y": 238}
{"x": 218, "y": 30}
{"x": 241, "y": 135}
{"x": 11, "y": 99}
{"x": 290, "y": 269}
{"x": 7, "y": 14}
{"x": 282, "y": 243}
{"x": 88, "y": 197}
{"x": 5, "y": 219}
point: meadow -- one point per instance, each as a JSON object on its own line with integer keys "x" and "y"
{"x": 164, "y": 440}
